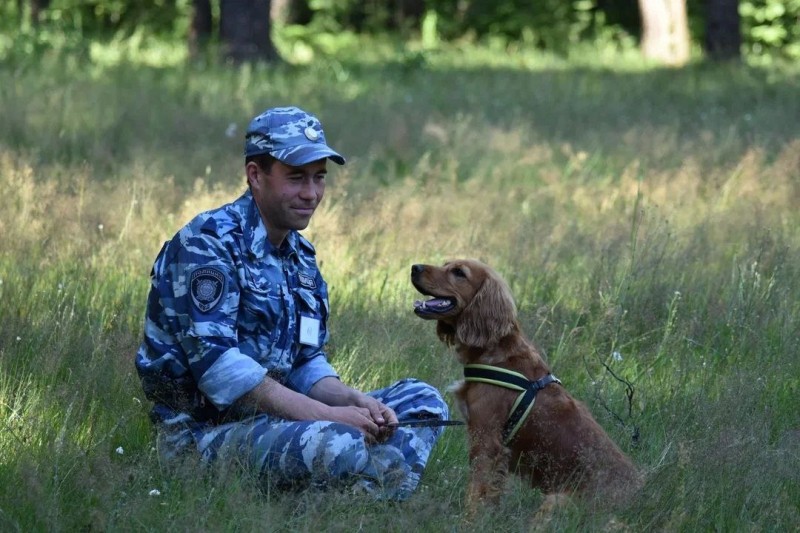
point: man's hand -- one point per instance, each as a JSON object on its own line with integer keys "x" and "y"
{"x": 328, "y": 399}
{"x": 336, "y": 394}
{"x": 381, "y": 414}
{"x": 358, "y": 417}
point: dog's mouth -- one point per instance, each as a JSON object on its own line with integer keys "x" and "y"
{"x": 434, "y": 306}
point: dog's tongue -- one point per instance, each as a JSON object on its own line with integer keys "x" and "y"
{"x": 433, "y": 303}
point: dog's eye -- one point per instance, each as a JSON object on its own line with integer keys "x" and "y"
{"x": 457, "y": 272}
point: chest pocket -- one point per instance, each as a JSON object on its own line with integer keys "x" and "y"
{"x": 261, "y": 310}
{"x": 308, "y": 303}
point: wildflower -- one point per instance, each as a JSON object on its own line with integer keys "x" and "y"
{"x": 616, "y": 356}
{"x": 100, "y": 227}
{"x": 119, "y": 450}
{"x": 155, "y": 492}
{"x": 19, "y": 339}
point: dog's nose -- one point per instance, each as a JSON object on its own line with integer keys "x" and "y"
{"x": 416, "y": 269}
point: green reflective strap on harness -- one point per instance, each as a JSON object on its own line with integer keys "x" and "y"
{"x": 509, "y": 379}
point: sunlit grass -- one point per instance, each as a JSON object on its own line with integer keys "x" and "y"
{"x": 646, "y": 223}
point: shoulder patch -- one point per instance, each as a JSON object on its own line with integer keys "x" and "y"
{"x": 307, "y": 281}
{"x": 206, "y": 285}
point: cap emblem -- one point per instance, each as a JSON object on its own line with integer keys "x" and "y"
{"x": 311, "y": 134}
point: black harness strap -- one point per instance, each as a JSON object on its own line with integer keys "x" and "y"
{"x": 501, "y": 377}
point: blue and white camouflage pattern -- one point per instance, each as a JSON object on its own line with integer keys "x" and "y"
{"x": 222, "y": 313}
{"x": 319, "y": 454}
{"x": 290, "y": 135}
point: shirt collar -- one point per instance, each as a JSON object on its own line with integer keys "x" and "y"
{"x": 255, "y": 233}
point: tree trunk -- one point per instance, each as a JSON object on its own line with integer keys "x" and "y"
{"x": 36, "y": 8}
{"x": 245, "y": 31}
{"x": 292, "y": 11}
{"x": 200, "y": 27}
{"x": 723, "y": 31}
{"x": 665, "y": 31}
{"x": 408, "y": 14}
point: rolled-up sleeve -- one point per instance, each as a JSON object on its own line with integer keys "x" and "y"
{"x": 305, "y": 376}
{"x": 205, "y": 298}
{"x": 230, "y": 377}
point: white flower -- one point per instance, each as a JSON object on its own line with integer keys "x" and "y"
{"x": 100, "y": 227}
{"x": 155, "y": 492}
{"x": 616, "y": 356}
{"x": 19, "y": 339}
{"x": 119, "y": 450}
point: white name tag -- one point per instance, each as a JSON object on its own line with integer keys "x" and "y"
{"x": 309, "y": 331}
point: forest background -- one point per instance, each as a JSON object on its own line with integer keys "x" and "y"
{"x": 642, "y": 206}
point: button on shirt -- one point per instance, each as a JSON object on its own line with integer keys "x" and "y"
{"x": 224, "y": 310}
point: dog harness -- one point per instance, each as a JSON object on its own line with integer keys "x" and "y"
{"x": 494, "y": 375}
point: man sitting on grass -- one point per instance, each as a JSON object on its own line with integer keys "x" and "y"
{"x": 235, "y": 328}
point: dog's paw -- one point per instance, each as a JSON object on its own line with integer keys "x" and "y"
{"x": 455, "y": 387}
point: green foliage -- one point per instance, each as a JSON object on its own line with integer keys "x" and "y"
{"x": 771, "y": 27}
{"x": 98, "y": 17}
{"x": 551, "y": 25}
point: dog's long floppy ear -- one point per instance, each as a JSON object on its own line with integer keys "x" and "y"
{"x": 490, "y": 316}
{"x": 446, "y": 333}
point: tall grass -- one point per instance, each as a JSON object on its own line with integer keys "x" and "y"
{"x": 646, "y": 221}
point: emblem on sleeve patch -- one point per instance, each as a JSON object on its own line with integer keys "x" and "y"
{"x": 306, "y": 281}
{"x": 206, "y": 285}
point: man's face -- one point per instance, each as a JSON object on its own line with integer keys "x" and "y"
{"x": 287, "y": 196}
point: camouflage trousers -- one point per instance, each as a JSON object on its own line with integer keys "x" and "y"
{"x": 321, "y": 453}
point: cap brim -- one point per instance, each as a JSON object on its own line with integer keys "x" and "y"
{"x": 307, "y": 153}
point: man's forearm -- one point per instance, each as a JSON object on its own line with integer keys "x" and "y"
{"x": 331, "y": 391}
{"x": 328, "y": 399}
{"x": 271, "y": 397}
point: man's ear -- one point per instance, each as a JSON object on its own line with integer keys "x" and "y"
{"x": 251, "y": 171}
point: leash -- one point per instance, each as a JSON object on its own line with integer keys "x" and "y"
{"x": 425, "y": 422}
{"x": 509, "y": 379}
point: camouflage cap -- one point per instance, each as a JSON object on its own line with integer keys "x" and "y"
{"x": 290, "y": 135}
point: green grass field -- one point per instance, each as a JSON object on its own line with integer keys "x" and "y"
{"x": 646, "y": 221}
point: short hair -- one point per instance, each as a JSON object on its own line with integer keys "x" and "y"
{"x": 264, "y": 161}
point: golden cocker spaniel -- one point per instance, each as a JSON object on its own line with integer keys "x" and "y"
{"x": 519, "y": 416}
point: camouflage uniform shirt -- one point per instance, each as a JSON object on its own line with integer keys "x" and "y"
{"x": 224, "y": 310}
